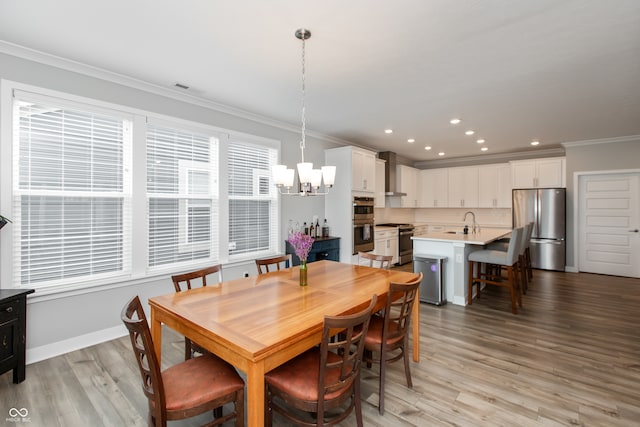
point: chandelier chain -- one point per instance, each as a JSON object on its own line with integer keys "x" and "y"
{"x": 304, "y": 118}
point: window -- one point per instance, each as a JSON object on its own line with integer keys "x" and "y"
{"x": 71, "y": 192}
{"x": 253, "y": 208}
{"x": 101, "y": 194}
{"x": 182, "y": 191}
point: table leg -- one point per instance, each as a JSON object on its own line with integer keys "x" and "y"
{"x": 255, "y": 394}
{"x": 156, "y": 336}
{"x": 416, "y": 327}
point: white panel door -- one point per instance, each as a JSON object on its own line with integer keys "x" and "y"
{"x": 609, "y": 223}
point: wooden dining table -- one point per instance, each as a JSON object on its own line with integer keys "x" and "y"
{"x": 257, "y": 323}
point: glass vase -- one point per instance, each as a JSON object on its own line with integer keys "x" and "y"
{"x": 303, "y": 272}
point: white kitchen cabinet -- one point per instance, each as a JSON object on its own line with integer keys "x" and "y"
{"x": 463, "y": 187}
{"x": 363, "y": 164}
{"x": 379, "y": 197}
{"x": 407, "y": 177}
{"x": 539, "y": 173}
{"x": 494, "y": 186}
{"x": 433, "y": 188}
{"x": 386, "y": 243}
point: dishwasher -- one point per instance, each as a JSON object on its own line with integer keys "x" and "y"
{"x": 432, "y": 288}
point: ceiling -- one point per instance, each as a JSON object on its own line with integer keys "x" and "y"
{"x": 513, "y": 71}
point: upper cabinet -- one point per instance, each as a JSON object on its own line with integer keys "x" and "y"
{"x": 379, "y": 197}
{"x": 433, "y": 187}
{"x": 494, "y": 186}
{"x": 463, "y": 187}
{"x": 406, "y": 182}
{"x": 538, "y": 173}
{"x": 363, "y": 165}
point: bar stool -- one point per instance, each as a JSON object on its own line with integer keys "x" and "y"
{"x": 505, "y": 259}
{"x": 524, "y": 255}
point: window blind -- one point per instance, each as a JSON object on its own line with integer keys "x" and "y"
{"x": 253, "y": 209}
{"x": 71, "y": 193}
{"x": 182, "y": 190}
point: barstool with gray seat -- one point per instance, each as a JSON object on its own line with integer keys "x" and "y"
{"x": 524, "y": 255}
{"x": 505, "y": 259}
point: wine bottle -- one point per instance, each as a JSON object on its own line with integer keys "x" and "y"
{"x": 312, "y": 230}
{"x": 317, "y": 228}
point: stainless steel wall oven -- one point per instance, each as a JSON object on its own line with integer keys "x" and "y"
{"x": 363, "y": 236}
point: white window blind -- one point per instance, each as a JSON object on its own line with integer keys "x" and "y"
{"x": 71, "y": 192}
{"x": 182, "y": 190}
{"x": 253, "y": 209}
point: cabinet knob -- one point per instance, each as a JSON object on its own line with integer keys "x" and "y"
{"x": 9, "y": 309}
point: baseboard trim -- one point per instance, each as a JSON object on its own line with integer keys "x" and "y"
{"x": 48, "y": 351}
{"x": 570, "y": 269}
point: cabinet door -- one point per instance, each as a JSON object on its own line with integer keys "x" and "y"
{"x": 549, "y": 173}
{"x": 494, "y": 186}
{"x": 433, "y": 188}
{"x": 504, "y": 186}
{"x": 406, "y": 181}
{"x": 379, "y": 197}
{"x": 523, "y": 174}
{"x": 364, "y": 171}
{"x": 392, "y": 249}
{"x": 463, "y": 187}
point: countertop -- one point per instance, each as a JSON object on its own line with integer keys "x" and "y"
{"x": 485, "y": 236}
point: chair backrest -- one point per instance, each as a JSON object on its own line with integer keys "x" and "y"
{"x": 180, "y": 280}
{"x": 384, "y": 260}
{"x": 136, "y": 322}
{"x": 517, "y": 234}
{"x": 397, "y": 312}
{"x": 266, "y": 262}
{"x": 342, "y": 371}
{"x": 526, "y": 236}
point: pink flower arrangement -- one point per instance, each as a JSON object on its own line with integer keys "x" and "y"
{"x": 301, "y": 243}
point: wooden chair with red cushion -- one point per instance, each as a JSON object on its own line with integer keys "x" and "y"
{"x": 266, "y": 262}
{"x": 322, "y": 386}
{"x": 187, "y": 389}
{"x": 388, "y": 333}
{"x": 184, "y": 281}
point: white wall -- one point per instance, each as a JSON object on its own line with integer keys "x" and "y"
{"x": 60, "y": 323}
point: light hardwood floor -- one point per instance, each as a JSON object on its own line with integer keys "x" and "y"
{"x": 571, "y": 358}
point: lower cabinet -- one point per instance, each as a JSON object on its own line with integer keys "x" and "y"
{"x": 13, "y": 329}
{"x": 386, "y": 243}
{"x": 322, "y": 248}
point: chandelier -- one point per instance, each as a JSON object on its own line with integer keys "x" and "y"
{"x": 309, "y": 179}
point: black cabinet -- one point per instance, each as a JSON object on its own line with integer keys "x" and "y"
{"x": 13, "y": 331}
{"x": 322, "y": 248}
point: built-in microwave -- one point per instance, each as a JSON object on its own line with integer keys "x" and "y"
{"x": 363, "y": 208}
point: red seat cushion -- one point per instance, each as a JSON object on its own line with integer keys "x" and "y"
{"x": 373, "y": 340}
{"x": 199, "y": 380}
{"x": 299, "y": 376}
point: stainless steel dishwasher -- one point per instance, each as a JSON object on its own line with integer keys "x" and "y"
{"x": 432, "y": 288}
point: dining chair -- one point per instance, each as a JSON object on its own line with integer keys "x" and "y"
{"x": 384, "y": 261}
{"x": 508, "y": 260}
{"x": 266, "y": 262}
{"x": 321, "y": 387}
{"x": 388, "y": 332}
{"x": 186, "y": 389}
{"x": 184, "y": 281}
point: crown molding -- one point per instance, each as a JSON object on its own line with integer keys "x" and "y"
{"x": 124, "y": 80}
{"x": 490, "y": 158}
{"x": 630, "y": 138}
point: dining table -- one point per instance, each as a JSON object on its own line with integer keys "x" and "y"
{"x": 259, "y": 322}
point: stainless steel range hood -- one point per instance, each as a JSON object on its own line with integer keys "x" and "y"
{"x": 390, "y": 180}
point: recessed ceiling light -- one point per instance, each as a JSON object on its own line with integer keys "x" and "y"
{"x": 427, "y": 148}
{"x": 535, "y": 142}
{"x": 454, "y": 121}
{"x": 411, "y": 140}
{"x": 441, "y": 153}
{"x": 470, "y": 132}
{"x": 484, "y": 149}
{"x": 388, "y": 131}
{"x": 480, "y": 141}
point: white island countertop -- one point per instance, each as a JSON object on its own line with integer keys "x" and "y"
{"x": 485, "y": 236}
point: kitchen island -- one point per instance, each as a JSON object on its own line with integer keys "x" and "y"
{"x": 456, "y": 246}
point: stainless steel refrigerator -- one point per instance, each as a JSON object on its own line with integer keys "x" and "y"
{"x": 545, "y": 207}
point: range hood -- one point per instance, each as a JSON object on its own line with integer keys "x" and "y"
{"x": 390, "y": 180}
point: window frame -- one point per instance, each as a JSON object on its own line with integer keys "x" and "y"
{"x": 139, "y": 271}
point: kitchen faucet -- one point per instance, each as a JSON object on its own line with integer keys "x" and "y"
{"x": 474, "y": 226}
